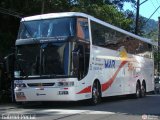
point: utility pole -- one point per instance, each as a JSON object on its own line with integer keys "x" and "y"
{"x": 137, "y": 15}
{"x": 137, "y": 18}
{"x": 42, "y": 9}
{"x": 158, "y": 43}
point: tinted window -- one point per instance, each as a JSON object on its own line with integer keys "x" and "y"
{"x": 47, "y": 28}
{"x": 43, "y": 59}
{"x": 111, "y": 39}
{"x": 82, "y": 28}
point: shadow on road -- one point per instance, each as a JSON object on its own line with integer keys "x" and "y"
{"x": 149, "y": 105}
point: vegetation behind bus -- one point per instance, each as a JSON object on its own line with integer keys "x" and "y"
{"x": 6, "y": 77}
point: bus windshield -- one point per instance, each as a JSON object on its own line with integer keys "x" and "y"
{"x": 47, "y": 28}
{"x": 42, "y": 59}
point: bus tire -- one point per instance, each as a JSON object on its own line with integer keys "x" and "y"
{"x": 96, "y": 93}
{"x": 138, "y": 90}
{"x": 143, "y": 89}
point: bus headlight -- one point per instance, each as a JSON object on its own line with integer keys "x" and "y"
{"x": 65, "y": 84}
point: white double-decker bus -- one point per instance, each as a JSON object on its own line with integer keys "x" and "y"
{"x": 73, "y": 56}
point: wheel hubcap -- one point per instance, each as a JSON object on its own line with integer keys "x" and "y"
{"x": 95, "y": 94}
{"x": 143, "y": 91}
{"x": 138, "y": 91}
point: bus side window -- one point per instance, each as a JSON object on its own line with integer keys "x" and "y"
{"x": 82, "y": 28}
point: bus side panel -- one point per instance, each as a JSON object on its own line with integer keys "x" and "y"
{"x": 119, "y": 76}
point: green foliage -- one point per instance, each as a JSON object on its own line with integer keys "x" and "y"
{"x": 151, "y": 30}
{"x": 107, "y": 13}
{"x": 120, "y": 3}
{"x": 153, "y": 34}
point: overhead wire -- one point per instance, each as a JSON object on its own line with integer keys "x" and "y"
{"x": 158, "y": 4}
{"x": 154, "y": 5}
{"x": 10, "y": 12}
{"x": 17, "y": 15}
{"x": 153, "y": 13}
{"x": 156, "y": 9}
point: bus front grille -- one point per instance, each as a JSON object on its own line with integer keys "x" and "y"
{"x": 40, "y": 84}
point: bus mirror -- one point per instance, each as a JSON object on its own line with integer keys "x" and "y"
{"x": 9, "y": 63}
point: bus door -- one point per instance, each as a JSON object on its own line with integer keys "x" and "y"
{"x": 81, "y": 55}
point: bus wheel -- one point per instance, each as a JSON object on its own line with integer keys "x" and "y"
{"x": 96, "y": 93}
{"x": 143, "y": 90}
{"x": 138, "y": 90}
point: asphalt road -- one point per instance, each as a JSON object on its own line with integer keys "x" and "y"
{"x": 117, "y": 108}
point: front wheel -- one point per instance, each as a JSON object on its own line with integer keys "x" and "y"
{"x": 96, "y": 94}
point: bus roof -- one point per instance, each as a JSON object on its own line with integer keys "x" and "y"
{"x": 69, "y": 14}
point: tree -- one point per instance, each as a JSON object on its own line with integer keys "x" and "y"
{"x": 107, "y": 10}
{"x": 120, "y": 3}
{"x": 10, "y": 24}
{"x": 107, "y": 13}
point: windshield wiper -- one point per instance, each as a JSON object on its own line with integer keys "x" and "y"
{"x": 53, "y": 76}
{"x": 49, "y": 76}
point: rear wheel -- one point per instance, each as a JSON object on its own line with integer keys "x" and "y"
{"x": 96, "y": 93}
{"x": 138, "y": 90}
{"x": 143, "y": 90}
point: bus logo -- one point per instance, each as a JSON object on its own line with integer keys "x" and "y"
{"x": 109, "y": 63}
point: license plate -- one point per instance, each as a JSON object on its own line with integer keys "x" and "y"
{"x": 20, "y": 96}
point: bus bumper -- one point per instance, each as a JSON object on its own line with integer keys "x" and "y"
{"x": 46, "y": 94}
